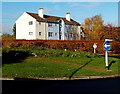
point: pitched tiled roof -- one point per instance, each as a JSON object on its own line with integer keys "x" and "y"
{"x": 52, "y": 18}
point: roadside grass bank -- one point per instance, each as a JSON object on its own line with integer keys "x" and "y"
{"x": 54, "y": 67}
{"x": 39, "y": 62}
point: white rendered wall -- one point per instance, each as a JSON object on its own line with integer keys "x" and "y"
{"x": 63, "y": 30}
{"x": 23, "y": 28}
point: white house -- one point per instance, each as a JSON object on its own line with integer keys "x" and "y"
{"x": 39, "y": 26}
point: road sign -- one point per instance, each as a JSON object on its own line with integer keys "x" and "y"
{"x": 107, "y": 48}
{"x": 107, "y": 45}
{"x": 95, "y": 45}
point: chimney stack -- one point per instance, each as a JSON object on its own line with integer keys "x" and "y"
{"x": 40, "y": 12}
{"x": 68, "y": 16}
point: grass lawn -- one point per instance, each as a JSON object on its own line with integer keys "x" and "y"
{"x": 46, "y": 67}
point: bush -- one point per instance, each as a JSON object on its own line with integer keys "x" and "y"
{"x": 61, "y": 44}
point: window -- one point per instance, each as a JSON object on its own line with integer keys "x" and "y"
{"x": 55, "y": 24}
{"x": 55, "y": 34}
{"x": 71, "y": 34}
{"x": 66, "y": 34}
{"x": 30, "y": 22}
{"x": 39, "y": 23}
{"x": 30, "y": 33}
{"x": 50, "y": 34}
{"x": 40, "y": 33}
{"x": 49, "y": 24}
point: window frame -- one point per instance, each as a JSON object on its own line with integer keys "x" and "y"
{"x": 30, "y": 33}
{"x": 49, "y": 24}
{"x": 56, "y": 34}
{"x": 40, "y": 33}
{"x": 50, "y": 34}
{"x": 30, "y": 22}
{"x": 39, "y": 23}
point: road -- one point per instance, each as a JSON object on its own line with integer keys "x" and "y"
{"x": 114, "y": 56}
{"x": 84, "y": 86}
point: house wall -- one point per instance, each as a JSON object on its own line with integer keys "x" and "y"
{"x": 23, "y": 28}
{"x": 41, "y": 27}
{"x": 62, "y": 30}
{"x": 77, "y": 32}
{"x": 69, "y": 30}
{"x": 54, "y": 28}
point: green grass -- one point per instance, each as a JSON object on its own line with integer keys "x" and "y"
{"x": 57, "y": 67}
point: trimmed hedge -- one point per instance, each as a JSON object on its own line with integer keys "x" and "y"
{"x": 71, "y": 45}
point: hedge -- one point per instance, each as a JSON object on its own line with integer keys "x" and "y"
{"x": 72, "y": 45}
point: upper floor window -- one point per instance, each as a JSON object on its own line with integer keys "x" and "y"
{"x": 49, "y": 24}
{"x": 39, "y": 23}
{"x": 30, "y": 33}
{"x": 55, "y": 24}
{"x": 30, "y": 22}
{"x": 50, "y": 34}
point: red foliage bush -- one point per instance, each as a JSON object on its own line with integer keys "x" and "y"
{"x": 64, "y": 44}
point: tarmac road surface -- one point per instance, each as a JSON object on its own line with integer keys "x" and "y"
{"x": 83, "y": 86}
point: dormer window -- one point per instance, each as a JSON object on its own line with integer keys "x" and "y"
{"x": 30, "y": 22}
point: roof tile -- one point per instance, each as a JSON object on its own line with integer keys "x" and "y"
{"x": 52, "y": 19}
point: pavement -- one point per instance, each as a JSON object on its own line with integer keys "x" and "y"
{"x": 64, "y": 78}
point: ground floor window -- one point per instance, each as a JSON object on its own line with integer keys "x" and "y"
{"x": 71, "y": 34}
{"x": 40, "y": 33}
{"x": 55, "y": 34}
{"x": 30, "y": 33}
{"x": 50, "y": 34}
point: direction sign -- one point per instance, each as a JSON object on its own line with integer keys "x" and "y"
{"x": 107, "y": 45}
{"x": 95, "y": 45}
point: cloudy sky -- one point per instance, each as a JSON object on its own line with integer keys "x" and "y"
{"x": 79, "y": 10}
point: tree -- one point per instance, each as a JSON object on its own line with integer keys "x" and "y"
{"x": 14, "y": 30}
{"x": 92, "y": 27}
{"x": 111, "y": 32}
{"x": 7, "y": 36}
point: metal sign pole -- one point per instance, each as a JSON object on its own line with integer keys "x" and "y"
{"x": 107, "y": 48}
{"x": 95, "y": 46}
{"x": 106, "y": 60}
{"x": 94, "y": 50}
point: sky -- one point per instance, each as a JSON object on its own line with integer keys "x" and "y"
{"x": 11, "y": 11}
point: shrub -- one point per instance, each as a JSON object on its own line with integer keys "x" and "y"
{"x": 61, "y": 44}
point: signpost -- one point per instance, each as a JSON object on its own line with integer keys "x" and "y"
{"x": 95, "y": 46}
{"x": 107, "y": 48}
